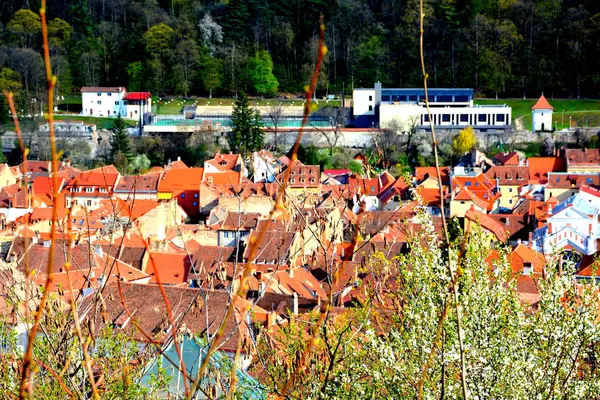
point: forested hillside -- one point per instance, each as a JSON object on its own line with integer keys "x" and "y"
{"x": 508, "y": 48}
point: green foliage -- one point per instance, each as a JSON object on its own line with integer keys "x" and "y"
{"x": 212, "y": 75}
{"x": 159, "y": 40}
{"x": 246, "y": 134}
{"x": 464, "y": 141}
{"x": 81, "y": 17}
{"x": 10, "y": 80}
{"x": 25, "y": 26}
{"x": 260, "y": 74}
{"x": 396, "y": 340}
{"x": 120, "y": 145}
{"x": 356, "y": 167}
{"x": 59, "y": 33}
{"x": 135, "y": 72}
{"x": 140, "y": 164}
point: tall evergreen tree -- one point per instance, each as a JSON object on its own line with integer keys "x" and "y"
{"x": 246, "y": 134}
{"x": 120, "y": 145}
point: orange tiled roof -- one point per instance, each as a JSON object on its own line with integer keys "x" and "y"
{"x": 223, "y": 162}
{"x": 509, "y": 175}
{"x": 171, "y": 268}
{"x": 487, "y": 223}
{"x": 180, "y": 179}
{"x": 539, "y": 167}
{"x": 422, "y": 173}
{"x": 511, "y": 158}
{"x": 223, "y": 177}
{"x": 542, "y": 104}
{"x": 582, "y": 157}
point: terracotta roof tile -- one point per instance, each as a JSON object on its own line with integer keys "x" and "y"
{"x": 542, "y": 104}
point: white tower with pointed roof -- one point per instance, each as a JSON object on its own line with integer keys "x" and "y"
{"x": 541, "y": 115}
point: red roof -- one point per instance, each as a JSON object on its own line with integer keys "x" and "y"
{"x": 181, "y": 179}
{"x": 542, "y": 104}
{"x": 138, "y": 96}
{"x": 539, "y": 167}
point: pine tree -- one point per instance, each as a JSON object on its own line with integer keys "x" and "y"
{"x": 120, "y": 145}
{"x": 256, "y": 138}
{"x": 246, "y": 134}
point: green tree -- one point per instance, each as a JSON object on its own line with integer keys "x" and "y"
{"x": 120, "y": 145}
{"x": 355, "y": 167}
{"x": 464, "y": 141}
{"x": 59, "y": 33}
{"x": 212, "y": 75}
{"x": 260, "y": 74}
{"x": 81, "y": 17}
{"x": 140, "y": 164}
{"x": 246, "y": 135}
{"x": 159, "y": 40}
{"x": 135, "y": 72}
{"x": 25, "y": 26}
{"x": 10, "y": 80}
{"x": 186, "y": 61}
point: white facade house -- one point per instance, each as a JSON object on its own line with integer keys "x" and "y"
{"x": 115, "y": 102}
{"x": 405, "y": 108}
{"x": 573, "y": 225}
{"x": 541, "y": 115}
{"x": 103, "y": 101}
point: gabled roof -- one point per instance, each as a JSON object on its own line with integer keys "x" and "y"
{"x": 171, "y": 268}
{"x": 180, "y": 179}
{"x": 542, "y": 104}
{"x": 539, "y": 167}
{"x": 509, "y": 175}
{"x": 522, "y": 254}
{"x": 487, "y": 223}
{"x": 223, "y": 162}
{"x": 101, "y": 89}
{"x": 104, "y": 176}
{"x": 511, "y": 158}
{"x": 582, "y": 157}
{"x": 467, "y": 195}
{"x": 137, "y": 96}
{"x": 422, "y": 173}
{"x": 137, "y": 183}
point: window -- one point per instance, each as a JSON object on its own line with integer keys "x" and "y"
{"x": 88, "y": 203}
{"x": 476, "y": 183}
{"x": 462, "y": 202}
{"x": 444, "y": 99}
{"x": 183, "y": 195}
{"x": 499, "y": 117}
{"x": 292, "y": 180}
{"x": 370, "y": 98}
{"x": 412, "y": 97}
{"x": 485, "y": 196}
{"x": 482, "y": 117}
{"x": 109, "y": 94}
{"x": 370, "y": 108}
{"x": 468, "y": 183}
{"x": 510, "y": 190}
{"x": 445, "y": 117}
{"x": 589, "y": 181}
{"x": 89, "y": 189}
{"x": 136, "y": 111}
{"x": 461, "y": 99}
{"x": 464, "y": 117}
{"x": 102, "y": 190}
{"x": 226, "y": 235}
{"x": 558, "y": 180}
{"x": 385, "y": 98}
{"x": 99, "y": 94}
{"x": 195, "y": 195}
{"x": 99, "y": 102}
{"x": 510, "y": 201}
{"x": 195, "y": 203}
{"x": 116, "y": 103}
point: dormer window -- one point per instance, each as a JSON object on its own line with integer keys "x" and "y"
{"x": 102, "y": 190}
{"x": 89, "y": 189}
{"x": 527, "y": 268}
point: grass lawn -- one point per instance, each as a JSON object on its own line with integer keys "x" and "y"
{"x": 174, "y": 105}
{"x": 101, "y": 123}
{"x": 582, "y": 112}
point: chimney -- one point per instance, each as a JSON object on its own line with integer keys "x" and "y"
{"x": 530, "y": 243}
{"x": 178, "y": 158}
{"x": 294, "y": 301}
{"x": 550, "y": 228}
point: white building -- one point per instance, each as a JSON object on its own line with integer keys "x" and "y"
{"x": 541, "y": 115}
{"x": 573, "y": 225}
{"x": 450, "y": 109}
{"x": 115, "y": 101}
{"x": 102, "y": 101}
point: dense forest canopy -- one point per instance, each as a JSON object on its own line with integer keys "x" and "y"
{"x": 506, "y": 48}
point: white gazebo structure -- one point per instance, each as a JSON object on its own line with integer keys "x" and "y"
{"x": 541, "y": 115}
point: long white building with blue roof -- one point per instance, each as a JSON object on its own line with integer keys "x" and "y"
{"x": 450, "y": 109}
{"x": 572, "y": 225}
